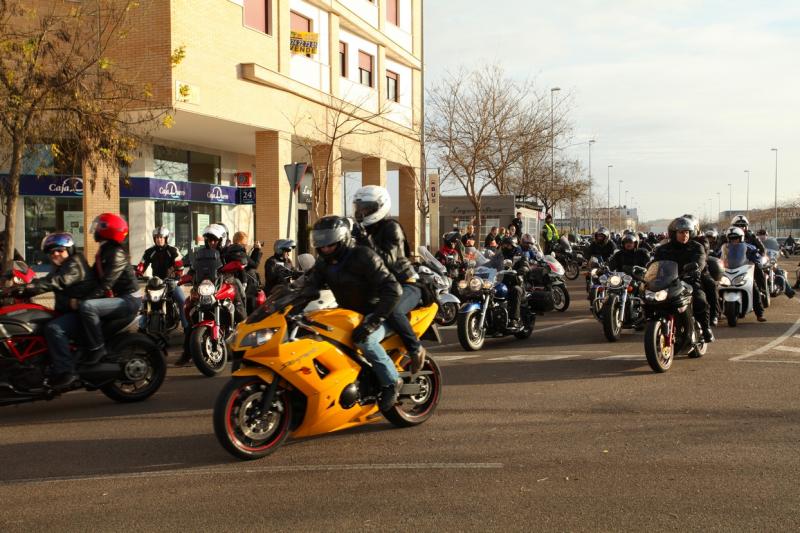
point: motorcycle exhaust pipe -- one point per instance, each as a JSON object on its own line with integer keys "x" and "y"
{"x": 101, "y": 373}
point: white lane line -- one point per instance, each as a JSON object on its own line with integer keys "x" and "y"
{"x": 446, "y": 358}
{"x": 769, "y": 361}
{"x": 255, "y": 470}
{"x": 533, "y": 357}
{"x": 557, "y": 326}
{"x": 622, "y": 358}
{"x": 788, "y": 349}
{"x": 767, "y": 347}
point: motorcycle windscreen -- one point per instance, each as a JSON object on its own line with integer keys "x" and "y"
{"x": 566, "y": 247}
{"x": 660, "y": 275}
{"x": 554, "y": 265}
{"x": 771, "y": 243}
{"x": 472, "y": 254}
{"x": 485, "y": 273}
{"x": 431, "y": 261}
{"x": 734, "y": 255}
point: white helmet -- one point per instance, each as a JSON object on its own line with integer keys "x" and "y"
{"x": 371, "y": 204}
{"x": 161, "y": 231}
{"x": 740, "y": 221}
{"x": 217, "y": 231}
{"x": 735, "y": 232}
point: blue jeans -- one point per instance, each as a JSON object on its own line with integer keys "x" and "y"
{"x": 94, "y": 312}
{"x": 382, "y": 365}
{"x": 180, "y": 300}
{"x": 57, "y": 333}
{"x": 398, "y": 319}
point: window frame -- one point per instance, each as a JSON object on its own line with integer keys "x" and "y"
{"x": 371, "y": 70}
{"x": 395, "y": 12}
{"x": 394, "y": 76}
{"x": 267, "y": 17}
{"x": 344, "y": 50}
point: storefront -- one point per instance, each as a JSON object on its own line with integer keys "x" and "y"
{"x": 458, "y": 211}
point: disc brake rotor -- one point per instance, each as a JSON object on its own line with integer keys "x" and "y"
{"x": 136, "y": 369}
{"x": 252, "y": 422}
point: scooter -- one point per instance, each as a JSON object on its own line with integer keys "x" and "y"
{"x": 737, "y": 285}
{"x": 299, "y": 374}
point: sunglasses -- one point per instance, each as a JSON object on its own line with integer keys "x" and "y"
{"x": 57, "y": 251}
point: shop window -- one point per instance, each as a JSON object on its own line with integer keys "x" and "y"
{"x": 47, "y": 214}
{"x": 39, "y": 160}
{"x": 186, "y": 221}
{"x": 391, "y": 86}
{"x": 365, "y": 65}
{"x": 183, "y": 165}
{"x": 392, "y": 13}
{"x": 343, "y": 59}
{"x": 258, "y": 15}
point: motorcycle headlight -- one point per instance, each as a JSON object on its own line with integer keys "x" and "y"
{"x": 740, "y": 280}
{"x": 615, "y": 280}
{"x": 487, "y": 284}
{"x": 156, "y": 295}
{"x": 725, "y": 282}
{"x": 258, "y": 337}
{"x": 475, "y": 284}
{"x": 603, "y": 278}
{"x": 206, "y": 288}
{"x": 462, "y": 284}
{"x": 659, "y": 296}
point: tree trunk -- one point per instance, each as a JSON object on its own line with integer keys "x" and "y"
{"x": 12, "y": 193}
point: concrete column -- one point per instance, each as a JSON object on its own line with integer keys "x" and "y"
{"x": 327, "y": 163}
{"x": 273, "y": 150}
{"x": 373, "y": 171}
{"x": 102, "y": 198}
{"x": 142, "y": 215}
{"x": 335, "y": 72}
{"x": 409, "y": 214}
{"x": 282, "y": 29}
{"x": 380, "y": 77}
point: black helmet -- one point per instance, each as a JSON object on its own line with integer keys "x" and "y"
{"x": 328, "y": 231}
{"x": 682, "y": 224}
{"x": 602, "y": 230}
{"x": 630, "y": 237}
{"x": 283, "y": 245}
{"x": 450, "y": 238}
{"x": 508, "y": 240}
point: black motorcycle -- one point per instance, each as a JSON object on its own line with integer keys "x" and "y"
{"x": 160, "y": 311}
{"x": 484, "y": 311}
{"x": 671, "y": 326}
{"x": 622, "y": 307}
{"x": 572, "y": 260}
{"x": 545, "y": 287}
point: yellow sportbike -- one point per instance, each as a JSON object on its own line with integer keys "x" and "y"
{"x": 298, "y": 373}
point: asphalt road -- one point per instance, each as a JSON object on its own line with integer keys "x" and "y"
{"x": 564, "y": 431}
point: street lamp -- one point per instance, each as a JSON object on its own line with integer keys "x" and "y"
{"x": 608, "y": 200}
{"x": 591, "y": 142}
{"x": 626, "y": 198}
{"x": 619, "y": 201}
{"x": 719, "y": 208}
{"x": 730, "y": 197}
{"x": 552, "y": 145}
{"x": 748, "y": 192}
{"x": 776, "y": 189}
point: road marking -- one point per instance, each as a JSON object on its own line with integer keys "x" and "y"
{"x": 767, "y": 347}
{"x": 769, "y": 361}
{"x": 534, "y": 357}
{"x": 454, "y": 357}
{"x": 557, "y": 326}
{"x": 788, "y": 349}
{"x": 252, "y": 470}
{"x": 621, "y": 358}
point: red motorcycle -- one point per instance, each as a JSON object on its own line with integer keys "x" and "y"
{"x": 133, "y": 370}
{"x": 212, "y": 315}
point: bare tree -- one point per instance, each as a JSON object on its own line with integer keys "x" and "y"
{"x": 62, "y": 86}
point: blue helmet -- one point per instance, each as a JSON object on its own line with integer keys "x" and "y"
{"x": 500, "y": 290}
{"x": 63, "y": 240}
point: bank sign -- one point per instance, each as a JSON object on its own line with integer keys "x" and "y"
{"x": 182, "y": 191}
{"x": 63, "y": 186}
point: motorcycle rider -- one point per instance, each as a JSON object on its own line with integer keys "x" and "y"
{"x": 601, "y": 245}
{"x": 237, "y": 251}
{"x": 713, "y": 241}
{"x": 510, "y": 251}
{"x": 166, "y": 262}
{"x": 629, "y": 256}
{"x": 371, "y": 206}
{"x": 529, "y": 249}
{"x": 740, "y": 221}
{"x": 360, "y": 282}
{"x": 71, "y": 280}
{"x": 279, "y": 270}
{"x": 736, "y": 235}
{"x": 643, "y": 242}
{"x": 117, "y": 293}
{"x": 691, "y": 258}
{"x": 549, "y": 234}
{"x": 448, "y": 255}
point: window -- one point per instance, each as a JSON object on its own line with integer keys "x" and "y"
{"x": 258, "y": 15}
{"x": 182, "y": 165}
{"x": 392, "y": 14}
{"x": 365, "y": 62}
{"x": 391, "y": 86}
{"x": 299, "y": 22}
{"x": 343, "y": 59}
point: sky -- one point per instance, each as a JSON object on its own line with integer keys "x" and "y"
{"x": 680, "y": 96}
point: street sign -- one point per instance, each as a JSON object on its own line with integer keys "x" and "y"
{"x": 295, "y": 173}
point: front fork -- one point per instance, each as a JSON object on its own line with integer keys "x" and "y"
{"x": 483, "y": 311}
{"x": 622, "y": 304}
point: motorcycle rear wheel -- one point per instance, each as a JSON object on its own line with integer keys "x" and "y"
{"x": 470, "y": 335}
{"x": 659, "y": 356}
{"x": 572, "y": 270}
{"x": 143, "y": 366}
{"x": 240, "y": 426}
{"x": 612, "y": 327}
{"x": 414, "y": 410}
{"x": 209, "y": 357}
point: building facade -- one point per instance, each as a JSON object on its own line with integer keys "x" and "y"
{"x": 264, "y": 83}
{"x": 497, "y": 210}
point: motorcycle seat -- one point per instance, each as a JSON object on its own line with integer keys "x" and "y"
{"x": 117, "y": 325}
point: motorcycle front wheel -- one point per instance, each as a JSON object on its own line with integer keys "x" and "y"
{"x": 612, "y": 327}
{"x": 659, "y": 353}
{"x": 470, "y": 334}
{"x": 572, "y": 270}
{"x": 560, "y": 298}
{"x": 209, "y": 356}
{"x": 447, "y": 313}
{"x": 239, "y": 423}
{"x": 732, "y": 314}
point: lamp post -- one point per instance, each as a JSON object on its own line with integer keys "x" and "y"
{"x": 748, "y": 192}
{"x": 776, "y": 189}
{"x": 719, "y": 208}
{"x": 591, "y": 142}
{"x": 552, "y": 146}
{"x": 619, "y": 203}
{"x": 730, "y": 197}
{"x": 608, "y": 200}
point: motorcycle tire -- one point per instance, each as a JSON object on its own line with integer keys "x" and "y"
{"x": 469, "y": 336}
{"x": 560, "y": 298}
{"x": 237, "y": 422}
{"x": 143, "y": 365}
{"x": 698, "y": 350}
{"x": 731, "y": 314}
{"x": 447, "y": 314}
{"x": 414, "y": 410}
{"x": 572, "y": 270}
{"x": 208, "y": 361}
{"x": 612, "y": 327}
{"x": 658, "y": 357}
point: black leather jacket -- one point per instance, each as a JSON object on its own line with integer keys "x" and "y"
{"x": 73, "y": 279}
{"x": 113, "y": 271}
{"x": 387, "y": 238}
{"x": 750, "y": 238}
{"x": 683, "y": 254}
{"x": 277, "y": 271}
{"x": 359, "y": 282}
{"x": 605, "y": 250}
{"x": 165, "y": 260}
{"x": 624, "y": 260}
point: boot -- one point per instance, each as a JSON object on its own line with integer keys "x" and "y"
{"x": 417, "y": 359}
{"x": 62, "y": 381}
{"x": 708, "y": 335}
{"x": 92, "y": 357}
{"x": 388, "y": 395}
